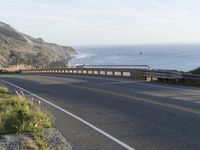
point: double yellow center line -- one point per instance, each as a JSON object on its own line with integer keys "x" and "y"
{"x": 149, "y": 101}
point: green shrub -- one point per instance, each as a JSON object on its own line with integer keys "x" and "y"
{"x": 196, "y": 71}
{"x": 17, "y": 115}
{"x": 39, "y": 138}
{"x": 4, "y": 90}
{"x": 24, "y": 120}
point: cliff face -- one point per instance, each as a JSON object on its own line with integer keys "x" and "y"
{"x": 17, "y": 48}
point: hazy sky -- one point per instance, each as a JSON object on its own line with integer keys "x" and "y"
{"x": 90, "y": 22}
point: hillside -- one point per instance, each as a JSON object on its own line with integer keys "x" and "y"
{"x": 196, "y": 71}
{"x": 17, "y": 48}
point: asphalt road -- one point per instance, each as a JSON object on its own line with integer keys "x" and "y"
{"x": 144, "y": 116}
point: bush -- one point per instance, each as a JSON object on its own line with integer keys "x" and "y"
{"x": 17, "y": 115}
{"x": 196, "y": 71}
{"x": 23, "y": 120}
{"x": 4, "y": 90}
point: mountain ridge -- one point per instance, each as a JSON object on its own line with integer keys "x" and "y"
{"x": 17, "y": 48}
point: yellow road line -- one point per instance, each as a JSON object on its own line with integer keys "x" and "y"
{"x": 149, "y": 101}
{"x": 140, "y": 99}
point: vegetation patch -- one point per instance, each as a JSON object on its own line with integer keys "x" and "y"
{"x": 196, "y": 71}
{"x": 192, "y": 82}
{"x": 18, "y": 116}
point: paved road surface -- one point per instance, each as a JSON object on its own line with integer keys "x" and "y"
{"x": 144, "y": 116}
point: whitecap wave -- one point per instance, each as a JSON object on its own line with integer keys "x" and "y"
{"x": 83, "y": 55}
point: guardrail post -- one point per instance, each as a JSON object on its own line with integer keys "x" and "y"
{"x": 75, "y": 71}
{"x": 102, "y": 72}
{"x": 95, "y": 72}
{"x": 148, "y": 79}
{"x": 90, "y": 72}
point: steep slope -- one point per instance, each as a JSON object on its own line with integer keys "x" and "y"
{"x": 18, "y": 48}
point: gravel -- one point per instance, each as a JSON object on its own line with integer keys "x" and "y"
{"x": 55, "y": 140}
{"x": 25, "y": 142}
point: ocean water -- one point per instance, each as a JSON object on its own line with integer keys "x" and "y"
{"x": 177, "y": 57}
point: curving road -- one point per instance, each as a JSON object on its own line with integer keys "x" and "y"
{"x": 96, "y": 113}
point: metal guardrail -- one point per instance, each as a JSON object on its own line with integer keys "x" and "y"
{"x": 128, "y": 71}
{"x": 146, "y": 67}
{"x": 189, "y": 76}
{"x": 163, "y": 74}
{"x": 116, "y": 71}
{"x": 170, "y": 75}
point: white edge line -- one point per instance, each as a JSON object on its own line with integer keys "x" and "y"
{"x": 74, "y": 116}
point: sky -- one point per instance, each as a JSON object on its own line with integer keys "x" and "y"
{"x": 105, "y": 22}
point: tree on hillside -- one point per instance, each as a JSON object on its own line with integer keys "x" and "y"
{"x": 14, "y": 58}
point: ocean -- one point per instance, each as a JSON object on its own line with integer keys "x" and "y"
{"x": 175, "y": 56}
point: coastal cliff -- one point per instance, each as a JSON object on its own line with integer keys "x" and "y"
{"x": 17, "y": 48}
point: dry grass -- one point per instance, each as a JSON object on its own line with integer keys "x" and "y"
{"x": 18, "y": 115}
